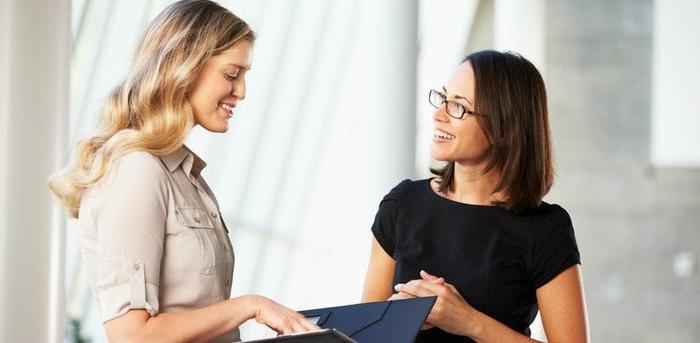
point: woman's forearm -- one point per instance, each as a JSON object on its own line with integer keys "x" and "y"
{"x": 198, "y": 325}
{"x": 485, "y": 329}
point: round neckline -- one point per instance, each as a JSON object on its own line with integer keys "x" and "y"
{"x": 435, "y": 194}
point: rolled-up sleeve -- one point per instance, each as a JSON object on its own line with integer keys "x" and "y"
{"x": 130, "y": 223}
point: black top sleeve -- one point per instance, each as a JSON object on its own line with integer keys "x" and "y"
{"x": 554, "y": 248}
{"x": 384, "y": 227}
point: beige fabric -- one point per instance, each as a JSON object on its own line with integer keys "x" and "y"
{"x": 153, "y": 238}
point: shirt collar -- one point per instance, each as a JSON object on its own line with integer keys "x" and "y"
{"x": 183, "y": 156}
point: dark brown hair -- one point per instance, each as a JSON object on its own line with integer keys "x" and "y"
{"x": 510, "y": 94}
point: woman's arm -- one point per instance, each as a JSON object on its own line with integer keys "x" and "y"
{"x": 563, "y": 307}
{"x": 380, "y": 275}
{"x": 205, "y": 323}
{"x": 560, "y": 300}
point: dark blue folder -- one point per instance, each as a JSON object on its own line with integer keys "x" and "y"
{"x": 395, "y": 321}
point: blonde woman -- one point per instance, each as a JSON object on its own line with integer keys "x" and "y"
{"x": 154, "y": 245}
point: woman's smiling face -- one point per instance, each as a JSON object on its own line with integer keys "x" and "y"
{"x": 459, "y": 140}
{"x": 220, "y": 85}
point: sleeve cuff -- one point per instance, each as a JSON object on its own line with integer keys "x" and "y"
{"x": 115, "y": 301}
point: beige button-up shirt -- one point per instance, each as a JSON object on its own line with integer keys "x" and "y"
{"x": 153, "y": 237}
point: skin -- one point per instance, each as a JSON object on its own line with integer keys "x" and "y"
{"x": 561, "y": 300}
{"x": 221, "y": 80}
{"x": 205, "y": 323}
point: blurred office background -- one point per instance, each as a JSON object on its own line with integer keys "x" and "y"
{"x": 336, "y": 114}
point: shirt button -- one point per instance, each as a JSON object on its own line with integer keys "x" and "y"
{"x": 214, "y": 215}
{"x": 197, "y": 220}
{"x": 136, "y": 267}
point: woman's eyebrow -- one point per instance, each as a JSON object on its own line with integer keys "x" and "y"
{"x": 458, "y": 96}
{"x": 238, "y": 66}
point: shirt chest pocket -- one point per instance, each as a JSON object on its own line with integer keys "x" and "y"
{"x": 201, "y": 242}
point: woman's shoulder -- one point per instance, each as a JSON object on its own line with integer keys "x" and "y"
{"x": 553, "y": 212}
{"x": 137, "y": 172}
{"x": 540, "y": 220}
{"x": 406, "y": 187}
{"x": 140, "y": 162}
{"x": 552, "y": 217}
{"x": 138, "y": 159}
{"x": 134, "y": 169}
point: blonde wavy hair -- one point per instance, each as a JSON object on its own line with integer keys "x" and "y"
{"x": 149, "y": 111}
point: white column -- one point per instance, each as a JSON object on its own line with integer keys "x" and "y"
{"x": 675, "y": 115}
{"x": 391, "y": 35}
{"x": 4, "y": 90}
{"x": 445, "y": 27}
{"x": 34, "y": 82}
{"x": 519, "y": 25}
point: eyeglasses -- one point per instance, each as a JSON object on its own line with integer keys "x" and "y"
{"x": 453, "y": 108}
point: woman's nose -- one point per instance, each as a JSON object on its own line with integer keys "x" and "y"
{"x": 440, "y": 115}
{"x": 238, "y": 89}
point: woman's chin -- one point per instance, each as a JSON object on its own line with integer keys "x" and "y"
{"x": 223, "y": 128}
{"x": 439, "y": 155}
{"x": 218, "y": 128}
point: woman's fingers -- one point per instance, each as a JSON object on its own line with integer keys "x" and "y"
{"x": 299, "y": 323}
{"x": 429, "y": 277}
{"x": 413, "y": 288}
{"x": 400, "y": 296}
{"x": 298, "y": 326}
{"x": 421, "y": 288}
{"x": 282, "y": 319}
{"x": 282, "y": 327}
{"x": 308, "y": 325}
{"x": 426, "y": 326}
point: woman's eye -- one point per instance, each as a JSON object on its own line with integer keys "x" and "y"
{"x": 231, "y": 77}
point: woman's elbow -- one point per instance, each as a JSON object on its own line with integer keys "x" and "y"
{"x": 130, "y": 327}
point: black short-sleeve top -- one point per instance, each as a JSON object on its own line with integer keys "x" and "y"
{"x": 494, "y": 257}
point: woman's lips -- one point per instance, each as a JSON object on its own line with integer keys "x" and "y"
{"x": 440, "y": 136}
{"x": 227, "y": 108}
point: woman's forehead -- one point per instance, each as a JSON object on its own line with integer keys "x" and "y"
{"x": 462, "y": 81}
{"x": 238, "y": 54}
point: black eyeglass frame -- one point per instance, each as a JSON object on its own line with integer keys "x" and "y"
{"x": 447, "y": 103}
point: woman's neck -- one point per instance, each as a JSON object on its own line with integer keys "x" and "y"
{"x": 472, "y": 186}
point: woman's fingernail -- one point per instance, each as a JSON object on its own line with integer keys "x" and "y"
{"x": 398, "y": 286}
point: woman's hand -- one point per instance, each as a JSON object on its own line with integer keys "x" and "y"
{"x": 279, "y": 318}
{"x": 451, "y": 312}
{"x": 402, "y": 295}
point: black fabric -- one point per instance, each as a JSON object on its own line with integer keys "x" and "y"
{"x": 494, "y": 257}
